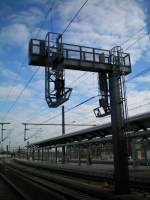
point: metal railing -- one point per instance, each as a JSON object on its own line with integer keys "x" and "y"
{"x": 81, "y": 53}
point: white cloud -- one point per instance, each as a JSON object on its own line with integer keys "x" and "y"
{"x": 140, "y": 100}
{"x": 144, "y": 79}
{"x": 30, "y": 17}
{"x": 104, "y": 24}
{"x": 14, "y": 34}
{"x": 9, "y": 74}
{"x": 38, "y": 2}
{"x": 13, "y": 92}
{"x": 101, "y": 24}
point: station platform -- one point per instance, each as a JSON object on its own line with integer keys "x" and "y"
{"x": 94, "y": 170}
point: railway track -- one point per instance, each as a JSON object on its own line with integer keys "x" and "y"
{"x": 137, "y": 184}
{"x": 37, "y": 183}
{"x": 8, "y": 191}
{"x": 36, "y": 186}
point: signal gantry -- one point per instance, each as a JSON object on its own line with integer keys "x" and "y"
{"x": 111, "y": 65}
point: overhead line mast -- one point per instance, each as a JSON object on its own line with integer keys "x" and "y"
{"x": 2, "y": 130}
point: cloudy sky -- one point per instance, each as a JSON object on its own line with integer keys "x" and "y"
{"x": 101, "y": 24}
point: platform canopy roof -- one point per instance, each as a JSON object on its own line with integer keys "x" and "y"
{"x": 138, "y": 126}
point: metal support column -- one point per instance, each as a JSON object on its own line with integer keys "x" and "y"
{"x": 38, "y": 154}
{"x": 55, "y": 154}
{"x": 134, "y": 154}
{"x": 70, "y": 154}
{"x": 63, "y": 133}
{"x": 121, "y": 172}
{"x": 89, "y": 161}
{"x": 51, "y": 155}
{"x": 145, "y": 152}
{"x": 79, "y": 155}
{"x": 45, "y": 154}
{"x": 33, "y": 151}
{"x": 42, "y": 153}
{"x": 48, "y": 153}
{"x": 2, "y": 132}
{"x": 27, "y": 153}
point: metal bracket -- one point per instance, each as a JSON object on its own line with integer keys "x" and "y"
{"x": 98, "y": 112}
{"x": 55, "y": 91}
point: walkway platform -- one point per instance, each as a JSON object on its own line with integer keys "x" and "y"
{"x": 95, "y": 170}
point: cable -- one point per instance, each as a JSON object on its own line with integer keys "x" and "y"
{"x": 139, "y": 74}
{"x": 127, "y": 41}
{"x": 21, "y": 66}
{"x": 35, "y": 72}
{"x": 79, "y": 77}
{"x": 63, "y": 33}
{"x": 74, "y": 16}
{"x": 121, "y": 44}
{"x": 139, "y": 106}
{"x": 18, "y": 97}
{"x": 89, "y": 99}
{"x": 129, "y": 110}
{"x": 134, "y": 108}
{"x": 75, "y": 86}
{"x": 132, "y": 37}
{"x": 141, "y": 29}
{"x": 93, "y": 97}
{"x": 137, "y": 40}
{"x": 10, "y": 91}
{"x": 70, "y": 109}
{"x": 57, "y": 124}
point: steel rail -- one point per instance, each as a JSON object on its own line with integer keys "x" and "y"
{"x": 56, "y": 189}
{"x": 14, "y": 187}
{"x": 77, "y": 181}
{"x": 136, "y": 183}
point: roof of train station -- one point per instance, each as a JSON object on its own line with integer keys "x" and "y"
{"x": 138, "y": 126}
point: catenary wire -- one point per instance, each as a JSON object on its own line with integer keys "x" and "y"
{"x": 31, "y": 78}
{"x": 18, "y": 97}
{"x": 19, "y": 69}
{"x": 76, "y": 14}
{"x": 69, "y": 25}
